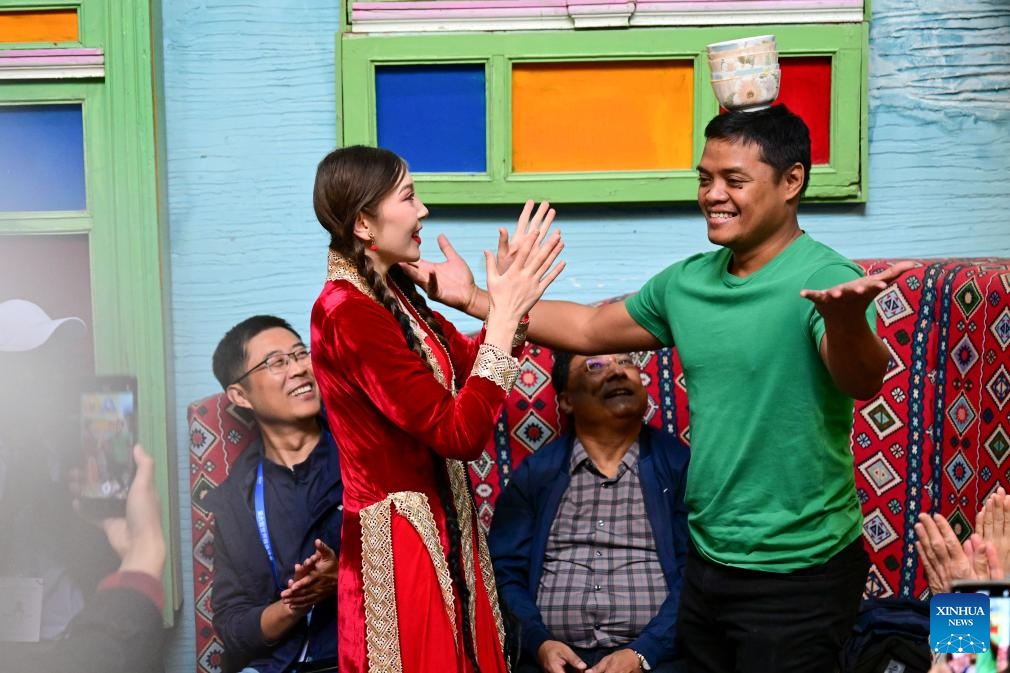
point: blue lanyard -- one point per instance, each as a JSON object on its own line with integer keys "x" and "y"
{"x": 261, "y": 523}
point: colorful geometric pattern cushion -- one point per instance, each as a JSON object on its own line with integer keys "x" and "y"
{"x": 218, "y": 433}
{"x": 936, "y": 437}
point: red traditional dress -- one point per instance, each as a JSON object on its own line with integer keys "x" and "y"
{"x": 389, "y": 413}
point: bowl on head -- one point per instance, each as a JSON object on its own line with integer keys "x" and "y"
{"x": 745, "y": 73}
{"x": 750, "y": 88}
{"x": 757, "y": 43}
{"x": 730, "y": 61}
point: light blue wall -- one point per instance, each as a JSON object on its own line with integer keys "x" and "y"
{"x": 250, "y": 110}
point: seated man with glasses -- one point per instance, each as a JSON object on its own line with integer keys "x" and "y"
{"x": 277, "y": 516}
{"x": 589, "y": 538}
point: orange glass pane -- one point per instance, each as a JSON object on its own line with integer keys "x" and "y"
{"x": 602, "y": 116}
{"x": 47, "y": 25}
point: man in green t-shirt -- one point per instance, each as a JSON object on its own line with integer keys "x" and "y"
{"x": 775, "y": 334}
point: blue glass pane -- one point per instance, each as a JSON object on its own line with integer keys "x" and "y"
{"x": 434, "y": 116}
{"x": 41, "y": 158}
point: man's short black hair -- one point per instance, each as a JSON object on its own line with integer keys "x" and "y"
{"x": 559, "y": 371}
{"x": 781, "y": 135}
{"x": 230, "y": 354}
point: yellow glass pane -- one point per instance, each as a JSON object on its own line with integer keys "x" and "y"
{"x": 55, "y": 25}
{"x": 602, "y": 116}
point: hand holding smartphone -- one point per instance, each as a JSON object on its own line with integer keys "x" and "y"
{"x": 108, "y": 424}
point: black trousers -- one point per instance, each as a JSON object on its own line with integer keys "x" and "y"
{"x": 746, "y": 621}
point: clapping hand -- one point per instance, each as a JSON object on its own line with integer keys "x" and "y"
{"x": 314, "y": 580}
{"x": 947, "y": 560}
{"x": 523, "y": 268}
{"x": 529, "y": 226}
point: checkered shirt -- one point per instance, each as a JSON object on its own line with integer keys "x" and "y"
{"x": 602, "y": 581}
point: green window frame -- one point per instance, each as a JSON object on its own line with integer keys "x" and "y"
{"x": 123, "y": 218}
{"x": 844, "y": 179}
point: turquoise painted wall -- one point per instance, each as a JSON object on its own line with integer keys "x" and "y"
{"x": 250, "y": 109}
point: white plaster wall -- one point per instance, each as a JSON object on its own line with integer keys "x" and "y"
{"x": 250, "y": 110}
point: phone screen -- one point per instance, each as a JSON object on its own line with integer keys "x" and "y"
{"x": 998, "y": 657}
{"x": 999, "y": 627}
{"x": 108, "y": 433}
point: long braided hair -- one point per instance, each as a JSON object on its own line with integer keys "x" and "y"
{"x": 355, "y": 180}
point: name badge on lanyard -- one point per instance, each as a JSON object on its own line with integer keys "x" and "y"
{"x": 259, "y": 500}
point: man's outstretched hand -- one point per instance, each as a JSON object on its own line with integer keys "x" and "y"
{"x": 850, "y": 299}
{"x": 450, "y": 282}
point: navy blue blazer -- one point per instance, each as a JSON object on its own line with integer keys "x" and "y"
{"x": 525, "y": 512}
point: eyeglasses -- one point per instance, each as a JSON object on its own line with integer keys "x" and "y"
{"x": 597, "y": 365}
{"x": 278, "y": 363}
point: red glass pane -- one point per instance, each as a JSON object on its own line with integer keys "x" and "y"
{"x": 806, "y": 90}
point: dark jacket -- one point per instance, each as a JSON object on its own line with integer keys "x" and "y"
{"x": 525, "y": 512}
{"x": 243, "y": 584}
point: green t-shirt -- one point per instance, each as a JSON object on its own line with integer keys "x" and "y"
{"x": 771, "y": 484}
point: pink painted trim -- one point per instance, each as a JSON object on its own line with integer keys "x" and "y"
{"x": 595, "y": 8}
{"x": 458, "y": 4}
{"x": 6, "y": 61}
{"x": 491, "y": 10}
{"x": 30, "y": 53}
{"x": 478, "y": 6}
{"x": 753, "y": 5}
{"x": 404, "y": 14}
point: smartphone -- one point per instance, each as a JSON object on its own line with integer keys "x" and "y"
{"x": 108, "y": 424}
{"x": 998, "y": 657}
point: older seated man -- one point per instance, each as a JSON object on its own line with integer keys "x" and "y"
{"x": 277, "y": 517}
{"x": 589, "y": 538}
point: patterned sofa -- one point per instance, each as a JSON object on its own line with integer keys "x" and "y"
{"x": 936, "y": 437}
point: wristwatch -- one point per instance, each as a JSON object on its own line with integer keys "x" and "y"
{"x": 642, "y": 661}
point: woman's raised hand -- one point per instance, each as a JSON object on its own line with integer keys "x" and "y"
{"x": 529, "y": 226}
{"x": 531, "y": 268}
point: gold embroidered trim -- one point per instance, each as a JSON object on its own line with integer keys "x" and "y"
{"x": 487, "y": 572}
{"x": 382, "y": 632}
{"x": 414, "y": 508}
{"x": 429, "y": 355}
{"x": 496, "y": 366}
{"x": 339, "y": 267}
{"x": 470, "y": 528}
{"x": 519, "y": 338}
{"x": 463, "y": 502}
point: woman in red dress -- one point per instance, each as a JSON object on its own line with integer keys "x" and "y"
{"x": 409, "y": 401}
